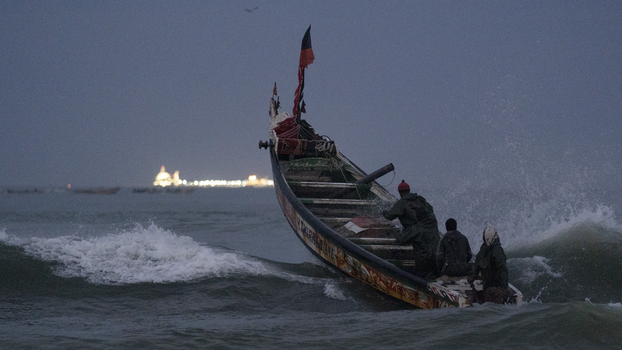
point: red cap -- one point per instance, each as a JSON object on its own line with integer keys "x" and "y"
{"x": 403, "y": 186}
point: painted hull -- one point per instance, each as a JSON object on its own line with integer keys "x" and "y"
{"x": 348, "y": 257}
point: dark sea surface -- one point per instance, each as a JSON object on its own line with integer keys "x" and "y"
{"x": 220, "y": 268}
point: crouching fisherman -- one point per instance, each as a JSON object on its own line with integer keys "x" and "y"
{"x": 454, "y": 252}
{"x": 490, "y": 263}
{"x": 420, "y": 229}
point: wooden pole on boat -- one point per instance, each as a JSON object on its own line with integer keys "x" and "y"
{"x": 367, "y": 179}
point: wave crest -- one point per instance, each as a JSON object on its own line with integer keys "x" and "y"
{"x": 139, "y": 255}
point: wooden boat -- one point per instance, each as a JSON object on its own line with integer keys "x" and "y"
{"x": 98, "y": 190}
{"x": 335, "y": 208}
{"x": 147, "y": 190}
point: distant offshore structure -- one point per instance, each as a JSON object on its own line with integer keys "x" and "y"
{"x": 165, "y": 179}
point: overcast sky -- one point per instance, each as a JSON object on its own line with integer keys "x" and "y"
{"x": 453, "y": 93}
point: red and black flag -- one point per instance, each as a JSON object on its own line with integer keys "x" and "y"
{"x": 306, "y": 58}
{"x": 306, "y": 52}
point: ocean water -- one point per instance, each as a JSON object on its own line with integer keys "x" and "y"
{"x": 221, "y": 269}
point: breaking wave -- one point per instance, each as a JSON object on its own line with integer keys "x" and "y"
{"x": 562, "y": 245}
{"x": 139, "y": 255}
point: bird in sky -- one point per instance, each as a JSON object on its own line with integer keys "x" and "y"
{"x": 251, "y": 10}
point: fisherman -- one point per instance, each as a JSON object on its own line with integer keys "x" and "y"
{"x": 420, "y": 229}
{"x": 454, "y": 252}
{"x": 491, "y": 264}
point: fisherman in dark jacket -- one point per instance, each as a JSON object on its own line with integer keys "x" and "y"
{"x": 454, "y": 252}
{"x": 420, "y": 229}
{"x": 491, "y": 264}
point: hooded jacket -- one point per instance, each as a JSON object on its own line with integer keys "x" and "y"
{"x": 419, "y": 222}
{"x": 491, "y": 262}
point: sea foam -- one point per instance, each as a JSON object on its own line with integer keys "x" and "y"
{"x": 332, "y": 291}
{"x": 532, "y": 268}
{"x": 522, "y": 217}
{"x": 142, "y": 254}
{"x": 148, "y": 254}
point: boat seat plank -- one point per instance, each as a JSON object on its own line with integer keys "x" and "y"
{"x": 390, "y": 252}
{"x": 386, "y": 247}
{"x": 372, "y": 241}
{"x": 336, "y": 220}
{"x": 323, "y": 184}
{"x": 327, "y": 201}
{"x": 308, "y": 177}
{"x": 326, "y": 211}
{"x": 401, "y": 263}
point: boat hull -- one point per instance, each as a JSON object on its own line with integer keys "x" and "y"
{"x": 338, "y": 252}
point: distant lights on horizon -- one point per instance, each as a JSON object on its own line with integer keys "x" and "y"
{"x": 164, "y": 179}
{"x": 214, "y": 183}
